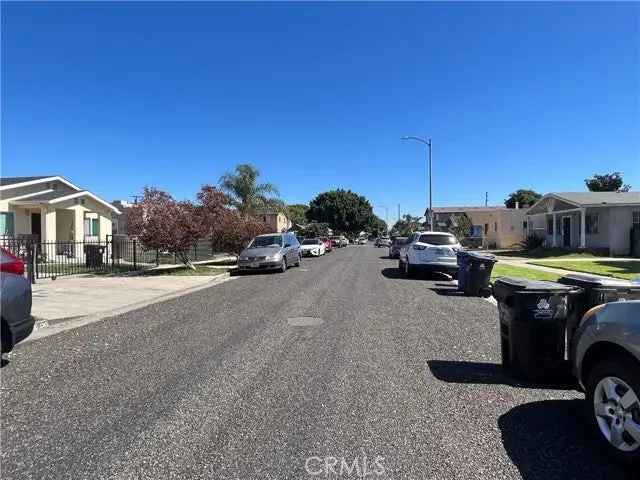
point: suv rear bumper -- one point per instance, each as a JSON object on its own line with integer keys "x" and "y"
{"x": 15, "y": 333}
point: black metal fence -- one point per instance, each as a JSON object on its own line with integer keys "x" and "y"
{"x": 115, "y": 255}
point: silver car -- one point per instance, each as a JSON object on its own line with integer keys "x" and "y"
{"x": 16, "y": 323}
{"x": 606, "y": 362}
{"x": 274, "y": 251}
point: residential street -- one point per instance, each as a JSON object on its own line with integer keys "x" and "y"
{"x": 218, "y": 384}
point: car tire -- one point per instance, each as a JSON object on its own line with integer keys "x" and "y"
{"x": 283, "y": 265}
{"x": 624, "y": 375}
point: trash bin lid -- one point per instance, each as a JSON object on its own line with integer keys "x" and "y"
{"x": 532, "y": 286}
{"x": 589, "y": 281}
{"x": 482, "y": 257}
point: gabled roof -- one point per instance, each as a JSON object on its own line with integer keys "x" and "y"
{"x": 7, "y": 183}
{"x": 598, "y": 198}
{"x": 45, "y": 196}
{"x": 14, "y": 180}
{"x": 465, "y": 209}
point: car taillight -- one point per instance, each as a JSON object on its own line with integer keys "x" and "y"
{"x": 11, "y": 264}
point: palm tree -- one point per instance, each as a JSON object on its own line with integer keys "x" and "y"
{"x": 246, "y": 194}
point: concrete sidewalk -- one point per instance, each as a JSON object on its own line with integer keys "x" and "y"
{"x": 79, "y": 296}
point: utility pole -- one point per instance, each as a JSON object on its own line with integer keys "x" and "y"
{"x": 486, "y": 198}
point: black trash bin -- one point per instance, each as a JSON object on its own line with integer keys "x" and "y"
{"x": 599, "y": 290}
{"x": 533, "y": 319}
{"x": 93, "y": 255}
{"x": 474, "y": 273}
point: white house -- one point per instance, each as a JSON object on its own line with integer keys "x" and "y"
{"x": 53, "y": 209}
{"x": 599, "y": 220}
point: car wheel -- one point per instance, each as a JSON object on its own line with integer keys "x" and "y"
{"x": 613, "y": 406}
{"x": 283, "y": 265}
{"x": 400, "y": 265}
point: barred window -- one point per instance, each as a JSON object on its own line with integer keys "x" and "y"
{"x": 592, "y": 223}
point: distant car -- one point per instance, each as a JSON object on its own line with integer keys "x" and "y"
{"x": 274, "y": 251}
{"x": 605, "y": 357}
{"x": 394, "y": 248}
{"x": 383, "y": 242}
{"x": 429, "y": 252}
{"x": 328, "y": 243}
{"x": 16, "y": 322}
{"x": 362, "y": 241}
{"x": 339, "y": 241}
{"x": 313, "y": 247}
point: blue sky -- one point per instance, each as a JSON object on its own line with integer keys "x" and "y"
{"x": 116, "y": 96}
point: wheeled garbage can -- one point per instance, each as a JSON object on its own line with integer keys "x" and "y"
{"x": 533, "y": 319}
{"x": 596, "y": 291}
{"x": 474, "y": 273}
{"x": 93, "y": 255}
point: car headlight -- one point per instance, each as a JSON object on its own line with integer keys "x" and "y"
{"x": 275, "y": 257}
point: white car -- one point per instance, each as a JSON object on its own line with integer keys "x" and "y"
{"x": 430, "y": 251}
{"x": 313, "y": 247}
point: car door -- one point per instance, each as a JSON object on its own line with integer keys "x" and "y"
{"x": 288, "y": 249}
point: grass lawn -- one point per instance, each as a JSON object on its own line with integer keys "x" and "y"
{"x": 186, "y": 271}
{"x": 555, "y": 253}
{"x": 624, "y": 269}
{"x": 504, "y": 270}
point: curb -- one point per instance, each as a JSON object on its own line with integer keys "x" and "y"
{"x": 46, "y": 328}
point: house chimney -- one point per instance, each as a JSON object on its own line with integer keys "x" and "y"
{"x": 517, "y": 205}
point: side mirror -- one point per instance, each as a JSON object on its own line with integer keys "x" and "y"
{"x": 287, "y": 245}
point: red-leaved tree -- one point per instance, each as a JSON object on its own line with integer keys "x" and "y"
{"x": 161, "y": 222}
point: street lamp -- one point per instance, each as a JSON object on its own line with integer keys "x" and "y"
{"x": 428, "y": 144}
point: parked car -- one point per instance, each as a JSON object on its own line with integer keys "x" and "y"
{"x": 16, "y": 322}
{"x": 274, "y": 251}
{"x": 383, "y": 242}
{"x": 313, "y": 247}
{"x": 430, "y": 252}
{"x": 605, "y": 358}
{"x": 328, "y": 243}
{"x": 394, "y": 248}
{"x": 362, "y": 241}
{"x": 339, "y": 241}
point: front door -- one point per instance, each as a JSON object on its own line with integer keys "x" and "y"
{"x": 566, "y": 232}
{"x": 36, "y": 227}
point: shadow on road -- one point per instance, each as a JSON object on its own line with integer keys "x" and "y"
{"x": 395, "y": 273}
{"x": 551, "y": 439}
{"x": 448, "y": 292}
{"x": 3, "y": 362}
{"x": 487, "y": 374}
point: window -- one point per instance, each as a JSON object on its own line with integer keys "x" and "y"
{"x": 7, "y": 224}
{"x": 495, "y": 226}
{"x": 636, "y": 218}
{"x": 549, "y": 225}
{"x": 438, "y": 239}
{"x": 592, "y": 224}
{"x": 486, "y": 228}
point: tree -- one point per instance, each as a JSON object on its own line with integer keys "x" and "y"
{"x": 246, "y": 194}
{"x": 376, "y": 225}
{"x": 343, "y": 210}
{"x": 407, "y": 225}
{"x": 608, "y": 182}
{"x": 314, "y": 229}
{"x": 162, "y": 223}
{"x": 462, "y": 227}
{"x": 523, "y": 197}
{"x": 297, "y": 213}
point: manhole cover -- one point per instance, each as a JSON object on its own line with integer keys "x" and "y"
{"x": 304, "y": 321}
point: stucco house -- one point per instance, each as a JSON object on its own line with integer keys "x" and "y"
{"x": 491, "y": 226}
{"x": 276, "y": 221}
{"x": 598, "y": 220}
{"x": 53, "y": 209}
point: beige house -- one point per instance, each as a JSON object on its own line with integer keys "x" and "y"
{"x": 598, "y": 220}
{"x": 492, "y": 226}
{"x": 53, "y": 209}
{"x": 277, "y": 221}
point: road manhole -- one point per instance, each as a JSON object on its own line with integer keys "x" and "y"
{"x": 305, "y": 321}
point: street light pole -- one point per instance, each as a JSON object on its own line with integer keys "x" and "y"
{"x": 428, "y": 144}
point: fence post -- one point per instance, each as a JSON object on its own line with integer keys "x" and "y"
{"x": 195, "y": 251}
{"x": 113, "y": 260}
{"x": 157, "y": 257}
{"x": 135, "y": 260}
{"x": 32, "y": 255}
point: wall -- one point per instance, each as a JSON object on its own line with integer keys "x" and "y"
{"x": 509, "y": 231}
{"x": 620, "y": 221}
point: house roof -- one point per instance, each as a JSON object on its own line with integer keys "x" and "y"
{"x": 4, "y": 181}
{"x": 465, "y": 209}
{"x": 48, "y": 195}
{"x": 598, "y": 198}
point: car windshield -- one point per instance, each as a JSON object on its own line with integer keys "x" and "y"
{"x": 310, "y": 241}
{"x": 435, "y": 239}
{"x": 269, "y": 241}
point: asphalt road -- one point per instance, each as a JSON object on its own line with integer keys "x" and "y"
{"x": 218, "y": 384}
